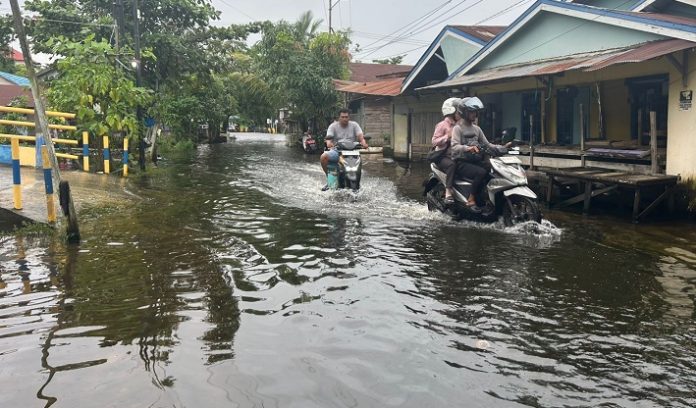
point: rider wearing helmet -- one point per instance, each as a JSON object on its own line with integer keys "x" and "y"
{"x": 441, "y": 141}
{"x": 468, "y": 141}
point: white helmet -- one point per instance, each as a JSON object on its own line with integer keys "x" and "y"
{"x": 449, "y": 106}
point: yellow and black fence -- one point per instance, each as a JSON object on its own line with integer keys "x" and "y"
{"x": 37, "y": 155}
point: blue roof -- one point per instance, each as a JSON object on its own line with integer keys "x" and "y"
{"x": 15, "y": 79}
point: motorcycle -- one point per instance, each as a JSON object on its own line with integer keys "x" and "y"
{"x": 309, "y": 145}
{"x": 505, "y": 194}
{"x": 346, "y": 173}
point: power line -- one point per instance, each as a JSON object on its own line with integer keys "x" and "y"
{"x": 431, "y": 25}
{"x": 238, "y": 10}
{"x": 500, "y": 13}
{"x": 405, "y": 27}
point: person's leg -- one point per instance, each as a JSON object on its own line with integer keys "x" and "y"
{"x": 476, "y": 174}
{"x": 324, "y": 160}
{"x": 449, "y": 167}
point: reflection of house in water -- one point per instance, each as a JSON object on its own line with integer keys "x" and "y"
{"x": 565, "y": 74}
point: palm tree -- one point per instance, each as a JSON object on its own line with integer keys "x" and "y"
{"x": 306, "y": 27}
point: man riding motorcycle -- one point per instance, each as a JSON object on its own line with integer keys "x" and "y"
{"x": 342, "y": 130}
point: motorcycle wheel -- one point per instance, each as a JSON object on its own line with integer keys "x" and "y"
{"x": 525, "y": 209}
{"x": 435, "y": 199}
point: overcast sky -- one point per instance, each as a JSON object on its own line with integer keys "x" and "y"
{"x": 383, "y": 28}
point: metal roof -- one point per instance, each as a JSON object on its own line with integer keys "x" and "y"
{"x": 362, "y": 72}
{"x": 386, "y": 87}
{"x": 585, "y": 62}
{"x": 483, "y": 33}
{"x": 15, "y": 79}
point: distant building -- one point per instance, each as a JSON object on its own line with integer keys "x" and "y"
{"x": 13, "y": 86}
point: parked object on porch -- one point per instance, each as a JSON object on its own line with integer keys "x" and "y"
{"x": 506, "y": 194}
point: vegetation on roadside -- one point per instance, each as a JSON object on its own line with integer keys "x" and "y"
{"x": 194, "y": 74}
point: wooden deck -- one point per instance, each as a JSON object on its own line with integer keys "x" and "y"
{"x": 598, "y": 181}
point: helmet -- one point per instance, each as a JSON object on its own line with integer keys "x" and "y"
{"x": 472, "y": 104}
{"x": 449, "y": 106}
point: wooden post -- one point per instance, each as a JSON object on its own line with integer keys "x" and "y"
{"x": 654, "y": 165}
{"x": 640, "y": 127}
{"x": 543, "y": 117}
{"x": 531, "y": 142}
{"x": 494, "y": 135}
{"x": 587, "y": 198}
{"x": 582, "y": 137}
{"x": 636, "y": 204}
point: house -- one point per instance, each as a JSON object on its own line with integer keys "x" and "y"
{"x": 566, "y": 74}
{"x": 415, "y": 114}
{"x": 369, "y": 94}
{"x": 13, "y": 86}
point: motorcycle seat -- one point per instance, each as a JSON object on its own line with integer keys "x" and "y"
{"x": 463, "y": 182}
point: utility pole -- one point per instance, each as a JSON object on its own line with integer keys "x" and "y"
{"x": 331, "y": 7}
{"x": 138, "y": 80}
{"x": 40, "y": 113}
{"x": 119, "y": 19}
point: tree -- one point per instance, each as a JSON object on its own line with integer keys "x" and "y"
{"x": 300, "y": 68}
{"x": 91, "y": 83}
{"x": 6, "y": 33}
{"x": 393, "y": 60}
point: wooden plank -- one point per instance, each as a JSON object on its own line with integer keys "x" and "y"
{"x": 581, "y": 196}
{"x": 588, "y": 196}
{"x": 636, "y": 204}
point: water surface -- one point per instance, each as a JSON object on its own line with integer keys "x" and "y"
{"x": 229, "y": 279}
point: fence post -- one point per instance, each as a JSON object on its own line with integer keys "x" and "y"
{"x": 48, "y": 184}
{"x": 654, "y": 164}
{"x": 125, "y": 157}
{"x": 85, "y": 151}
{"x": 107, "y": 155}
{"x": 16, "y": 176}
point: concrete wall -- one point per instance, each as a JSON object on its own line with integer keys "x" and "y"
{"x": 540, "y": 40}
{"x": 681, "y": 126}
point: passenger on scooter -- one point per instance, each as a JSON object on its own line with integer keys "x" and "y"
{"x": 468, "y": 143}
{"x": 441, "y": 141}
{"x": 343, "y": 129}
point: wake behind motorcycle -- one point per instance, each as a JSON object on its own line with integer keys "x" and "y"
{"x": 505, "y": 194}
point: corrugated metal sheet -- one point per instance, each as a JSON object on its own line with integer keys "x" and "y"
{"x": 364, "y": 72}
{"x": 585, "y": 62}
{"x": 483, "y": 33}
{"x": 387, "y": 87}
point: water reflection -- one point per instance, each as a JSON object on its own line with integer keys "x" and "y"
{"x": 233, "y": 281}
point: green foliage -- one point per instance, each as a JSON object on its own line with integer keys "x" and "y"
{"x": 6, "y": 33}
{"x": 299, "y": 66}
{"x": 93, "y": 85}
{"x": 188, "y": 105}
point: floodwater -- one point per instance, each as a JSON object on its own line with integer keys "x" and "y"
{"x": 229, "y": 280}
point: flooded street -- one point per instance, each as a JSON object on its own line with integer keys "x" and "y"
{"x": 230, "y": 280}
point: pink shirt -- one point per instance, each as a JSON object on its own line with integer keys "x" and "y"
{"x": 442, "y": 133}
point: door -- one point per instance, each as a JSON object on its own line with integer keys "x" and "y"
{"x": 531, "y": 108}
{"x": 569, "y": 102}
